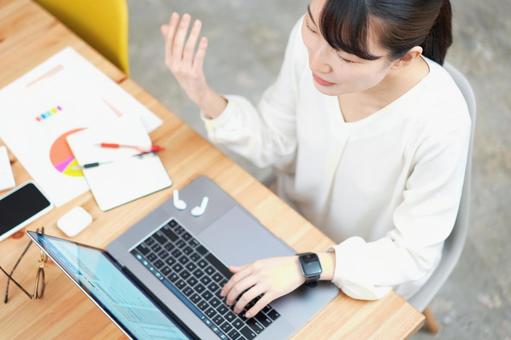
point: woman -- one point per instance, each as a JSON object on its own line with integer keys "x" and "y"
{"x": 369, "y": 136}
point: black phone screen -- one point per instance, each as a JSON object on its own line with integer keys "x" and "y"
{"x": 21, "y": 205}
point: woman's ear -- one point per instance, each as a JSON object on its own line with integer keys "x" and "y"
{"x": 412, "y": 54}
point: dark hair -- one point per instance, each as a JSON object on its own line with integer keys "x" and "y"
{"x": 400, "y": 24}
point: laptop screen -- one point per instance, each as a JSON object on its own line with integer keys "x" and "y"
{"x": 95, "y": 273}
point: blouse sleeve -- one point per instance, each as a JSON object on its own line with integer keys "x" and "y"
{"x": 265, "y": 135}
{"x": 422, "y": 222}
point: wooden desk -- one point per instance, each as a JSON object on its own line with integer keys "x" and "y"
{"x": 28, "y": 36}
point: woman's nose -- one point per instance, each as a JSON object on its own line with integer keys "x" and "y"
{"x": 318, "y": 61}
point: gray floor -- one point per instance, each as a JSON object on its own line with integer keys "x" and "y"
{"x": 247, "y": 41}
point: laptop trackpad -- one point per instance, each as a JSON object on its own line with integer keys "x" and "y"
{"x": 237, "y": 238}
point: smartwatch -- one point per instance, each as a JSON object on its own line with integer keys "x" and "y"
{"x": 311, "y": 268}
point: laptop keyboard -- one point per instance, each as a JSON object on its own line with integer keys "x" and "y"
{"x": 196, "y": 277}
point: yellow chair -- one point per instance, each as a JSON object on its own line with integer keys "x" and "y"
{"x": 101, "y": 23}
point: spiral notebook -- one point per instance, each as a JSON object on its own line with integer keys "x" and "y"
{"x": 121, "y": 176}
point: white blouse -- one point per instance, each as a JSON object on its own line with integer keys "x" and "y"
{"x": 385, "y": 188}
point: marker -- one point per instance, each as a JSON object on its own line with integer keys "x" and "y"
{"x": 153, "y": 148}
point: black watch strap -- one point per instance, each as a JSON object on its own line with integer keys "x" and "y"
{"x": 311, "y": 268}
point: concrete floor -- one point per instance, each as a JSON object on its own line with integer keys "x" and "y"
{"x": 476, "y": 301}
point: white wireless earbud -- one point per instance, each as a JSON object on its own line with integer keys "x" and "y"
{"x": 198, "y": 211}
{"x": 179, "y": 204}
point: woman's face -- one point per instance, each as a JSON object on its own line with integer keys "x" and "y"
{"x": 344, "y": 72}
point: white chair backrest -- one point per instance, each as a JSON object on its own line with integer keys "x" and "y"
{"x": 454, "y": 244}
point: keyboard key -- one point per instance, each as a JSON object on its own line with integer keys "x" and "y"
{"x": 165, "y": 270}
{"x": 247, "y": 333}
{"x": 217, "y": 277}
{"x": 263, "y": 319}
{"x": 173, "y": 277}
{"x": 170, "y": 261}
{"x": 201, "y": 250}
{"x": 218, "y": 265}
{"x": 188, "y": 291}
{"x": 160, "y": 238}
{"x": 215, "y": 302}
{"x": 195, "y": 298}
{"x": 163, "y": 254}
{"x": 202, "y": 305}
{"x": 159, "y": 264}
{"x": 209, "y": 270}
{"x": 191, "y": 266}
{"x": 149, "y": 241}
{"x": 210, "y": 312}
{"x": 202, "y": 263}
{"x": 205, "y": 280}
{"x": 184, "y": 259}
{"x": 177, "y": 267}
{"x": 193, "y": 243}
{"x": 192, "y": 281}
{"x": 180, "y": 284}
{"x": 143, "y": 249}
{"x": 218, "y": 320}
{"x": 222, "y": 309}
{"x": 172, "y": 223}
{"x": 186, "y": 236}
{"x": 179, "y": 230}
{"x": 266, "y": 308}
{"x": 230, "y": 316}
{"x": 237, "y": 323}
{"x": 169, "y": 246}
{"x": 195, "y": 257}
{"x": 207, "y": 295}
{"x": 156, "y": 247}
{"x": 214, "y": 287}
{"x": 226, "y": 327}
{"x": 188, "y": 250}
{"x": 176, "y": 253}
{"x": 180, "y": 244}
{"x": 185, "y": 274}
{"x": 273, "y": 314}
{"x": 199, "y": 288}
{"x": 234, "y": 334}
{"x": 151, "y": 257}
{"x": 169, "y": 233}
{"x": 256, "y": 326}
{"x": 198, "y": 273}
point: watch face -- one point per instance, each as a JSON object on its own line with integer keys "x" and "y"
{"x": 311, "y": 265}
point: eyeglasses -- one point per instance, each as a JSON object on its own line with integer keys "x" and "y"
{"x": 40, "y": 279}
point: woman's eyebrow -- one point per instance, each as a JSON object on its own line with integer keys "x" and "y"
{"x": 310, "y": 15}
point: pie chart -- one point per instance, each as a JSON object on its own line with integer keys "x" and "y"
{"x": 62, "y": 158}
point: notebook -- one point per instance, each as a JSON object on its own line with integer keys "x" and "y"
{"x": 121, "y": 177}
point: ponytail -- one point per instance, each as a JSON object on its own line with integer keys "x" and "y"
{"x": 439, "y": 39}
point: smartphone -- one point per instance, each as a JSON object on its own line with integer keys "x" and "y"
{"x": 20, "y": 207}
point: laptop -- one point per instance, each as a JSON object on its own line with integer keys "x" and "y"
{"x": 161, "y": 278}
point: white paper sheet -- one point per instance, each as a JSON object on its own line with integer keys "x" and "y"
{"x": 59, "y": 97}
{"x": 6, "y": 176}
{"x": 124, "y": 178}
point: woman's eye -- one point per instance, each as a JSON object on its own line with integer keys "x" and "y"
{"x": 346, "y": 60}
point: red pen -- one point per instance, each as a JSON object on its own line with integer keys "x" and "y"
{"x": 154, "y": 148}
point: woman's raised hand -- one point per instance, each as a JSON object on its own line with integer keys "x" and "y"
{"x": 182, "y": 60}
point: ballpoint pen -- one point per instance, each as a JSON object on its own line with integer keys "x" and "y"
{"x": 96, "y": 164}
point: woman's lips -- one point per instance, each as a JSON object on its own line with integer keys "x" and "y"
{"x": 322, "y": 81}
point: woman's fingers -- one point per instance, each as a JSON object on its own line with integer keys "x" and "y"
{"x": 248, "y": 296}
{"x": 190, "y": 44}
{"x": 198, "y": 61}
{"x": 265, "y": 300}
{"x": 171, "y": 31}
{"x": 238, "y": 288}
{"x": 179, "y": 40}
{"x": 234, "y": 280}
